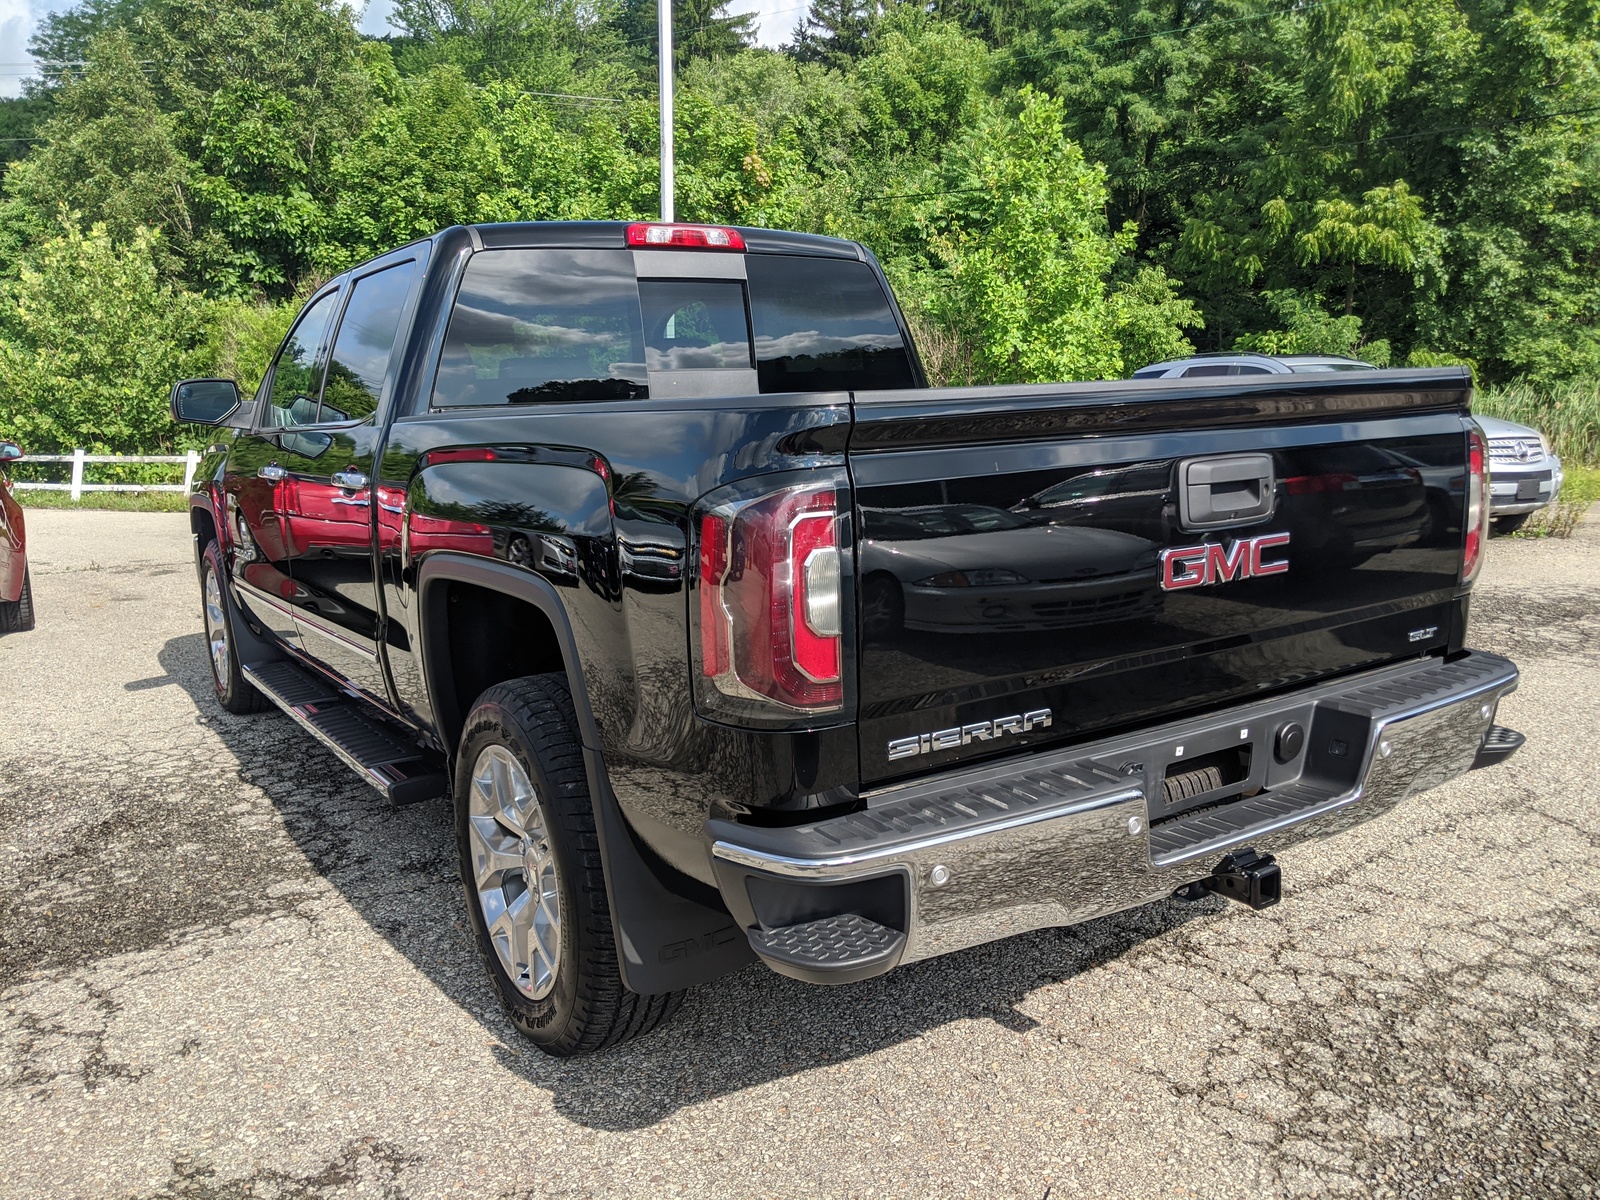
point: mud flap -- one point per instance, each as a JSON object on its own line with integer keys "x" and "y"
{"x": 666, "y": 941}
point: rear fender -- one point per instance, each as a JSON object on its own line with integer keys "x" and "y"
{"x": 667, "y": 939}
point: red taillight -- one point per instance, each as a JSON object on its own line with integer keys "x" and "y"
{"x": 1477, "y": 515}
{"x": 714, "y": 661}
{"x": 468, "y": 454}
{"x": 771, "y": 601}
{"x": 1312, "y": 485}
{"x": 647, "y": 236}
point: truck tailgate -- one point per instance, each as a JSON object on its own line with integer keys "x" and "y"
{"x": 1013, "y": 585}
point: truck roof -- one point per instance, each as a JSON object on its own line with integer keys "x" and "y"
{"x": 606, "y": 235}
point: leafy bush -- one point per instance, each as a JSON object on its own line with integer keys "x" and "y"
{"x": 91, "y": 341}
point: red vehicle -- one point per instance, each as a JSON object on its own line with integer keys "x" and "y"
{"x": 16, "y": 594}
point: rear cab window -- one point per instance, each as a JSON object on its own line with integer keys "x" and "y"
{"x": 824, "y": 325}
{"x": 548, "y": 326}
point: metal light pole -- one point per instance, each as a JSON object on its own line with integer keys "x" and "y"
{"x": 664, "y": 26}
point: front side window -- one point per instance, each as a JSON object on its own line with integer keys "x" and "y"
{"x": 360, "y": 357}
{"x": 823, "y": 325}
{"x": 543, "y": 326}
{"x": 297, "y": 373}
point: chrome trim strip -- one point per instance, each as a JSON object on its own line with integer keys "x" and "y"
{"x": 780, "y": 864}
{"x": 307, "y": 621}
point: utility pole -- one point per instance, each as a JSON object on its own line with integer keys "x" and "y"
{"x": 664, "y": 27}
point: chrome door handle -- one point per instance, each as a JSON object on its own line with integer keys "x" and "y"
{"x": 349, "y": 480}
{"x": 273, "y": 471}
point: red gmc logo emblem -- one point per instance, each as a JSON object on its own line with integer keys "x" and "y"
{"x": 1202, "y": 566}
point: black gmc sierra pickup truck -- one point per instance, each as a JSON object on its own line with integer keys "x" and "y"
{"x": 729, "y": 639}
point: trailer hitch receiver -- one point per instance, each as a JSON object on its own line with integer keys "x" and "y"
{"x": 1245, "y": 876}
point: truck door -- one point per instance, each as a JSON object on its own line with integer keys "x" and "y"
{"x": 329, "y": 510}
{"x": 256, "y": 479}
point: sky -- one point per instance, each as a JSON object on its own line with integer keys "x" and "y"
{"x": 776, "y": 20}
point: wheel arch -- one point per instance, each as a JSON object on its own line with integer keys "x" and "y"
{"x": 444, "y": 576}
{"x": 667, "y": 938}
{"x": 202, "y": 527}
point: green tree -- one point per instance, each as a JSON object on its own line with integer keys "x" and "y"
{"x": 91, "y": 341}
{"x": 1307, "y": 329}
{"x": 701, "y": 29}
{"x": 1026, "y": 255}
{"x": 108, "y": 152}
{"x": 833, "y": 32}
{"x": 216, "y": 123}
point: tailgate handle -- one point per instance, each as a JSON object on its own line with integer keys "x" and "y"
{"x": 1231, "y": 489}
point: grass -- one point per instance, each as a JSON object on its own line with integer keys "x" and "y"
{"x": 105, "y": 501}
{"x": 1567, "y": 414}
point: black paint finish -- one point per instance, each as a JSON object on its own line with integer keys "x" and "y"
{"x": 1068, "y": 488}
{"x": 1008, "y": 578}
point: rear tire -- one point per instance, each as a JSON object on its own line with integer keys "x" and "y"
{"x": 234, "y": 692}
{"x": 531, "y": 868}
{"x": 16, "y": 616}
{"x": 1512, "y": 523}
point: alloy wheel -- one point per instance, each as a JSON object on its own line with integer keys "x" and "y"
{"x": 514, "y": 871}
{"x": 216, "y": 629}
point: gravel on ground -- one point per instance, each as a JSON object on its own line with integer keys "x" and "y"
{"x": 228, "y": 969}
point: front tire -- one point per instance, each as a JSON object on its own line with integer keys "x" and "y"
{"x": 16, "y": 616}
{"x": 1512, "y": 523}
{"x": 234, "y": 693}
{"x": 531, "y": 867}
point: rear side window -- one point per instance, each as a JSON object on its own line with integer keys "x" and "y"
{"x": 1210, "y": 370}
{"x": 365, "y": 340}
{"x": 823, "y": 325}
{"x": 537, "y": 326}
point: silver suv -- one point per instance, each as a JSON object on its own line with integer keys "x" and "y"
{"x": 1201, "y": 366}
{"x": 1524, "y": 474}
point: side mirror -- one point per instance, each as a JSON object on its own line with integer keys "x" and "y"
{"x": 9, "y": 452}
{"x": 204, "y": 401}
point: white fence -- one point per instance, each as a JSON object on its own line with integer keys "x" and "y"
{"x": 78, "y": 459}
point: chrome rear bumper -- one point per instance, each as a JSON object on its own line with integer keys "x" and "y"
{"x": 1055, "y": 839}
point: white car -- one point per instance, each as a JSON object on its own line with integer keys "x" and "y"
{"x": 1524, "y": 475}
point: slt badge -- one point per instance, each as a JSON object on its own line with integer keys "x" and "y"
{"x": 1204, "y": 565}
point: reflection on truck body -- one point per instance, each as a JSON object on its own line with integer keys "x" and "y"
{"x": 932, "y": 568}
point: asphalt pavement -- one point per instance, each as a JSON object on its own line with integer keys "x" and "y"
{"x": 228, "y": 969}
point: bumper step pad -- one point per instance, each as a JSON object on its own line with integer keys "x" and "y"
{"x": 847, "y": 945}
{"x": 376, "y": 750}
{"x": 1499, "y": 744}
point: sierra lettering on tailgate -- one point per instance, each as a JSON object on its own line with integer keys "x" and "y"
{"x": 964, "y": 735}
